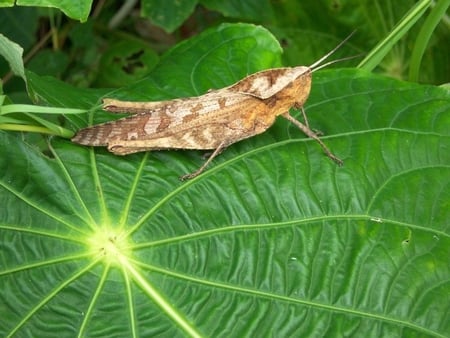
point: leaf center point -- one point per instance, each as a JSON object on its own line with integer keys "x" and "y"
{"x": 111, "y": 246}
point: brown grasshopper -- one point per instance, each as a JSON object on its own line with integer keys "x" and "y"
{"x": 211, "y": 121}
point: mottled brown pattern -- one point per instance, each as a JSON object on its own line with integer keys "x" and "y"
{"x": 271, "y": 101}
{"x": 191, "y": 117}
{"x": 164, "y": 123}
{"x": 195, "y": 109}
{"x": 222, "y": 102}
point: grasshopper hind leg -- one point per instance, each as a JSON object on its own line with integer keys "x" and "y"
{"x": 216, "y": 152}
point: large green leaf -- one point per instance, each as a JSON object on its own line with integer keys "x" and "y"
{"x": 273, "y": 239}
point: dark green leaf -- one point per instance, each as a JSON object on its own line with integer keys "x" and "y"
{"x": 49, "y": 62}
{"x": 78, "y": 10}
{"x": 168, "y": 14}
{"x": 19, "y": 24}
{"x": 125, "y": 62}
{"x": 251, "y": 10}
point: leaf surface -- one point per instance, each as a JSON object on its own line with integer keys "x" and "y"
{"x": 168, "y": 15}
{"x": 75, "y": 9}
{"x": 12, "y": 52}
{"x": 273, "y": 238}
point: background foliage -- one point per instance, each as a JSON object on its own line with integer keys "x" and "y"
{"x": 273, "y": 239}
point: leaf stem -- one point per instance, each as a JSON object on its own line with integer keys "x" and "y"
{"x": 19, "y": 108}
{"x": 375, "y": 56}
{"x": 19, "y": 123}
{"x": 66, "y": 133}
{"x": 423, "y": 38}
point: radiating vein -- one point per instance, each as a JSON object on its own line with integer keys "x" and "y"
{"x": 91, "y": 221}
{"x": 126, "y": 210}
{"x": 98, "y": 186}
{"x": 94, "y": 299}
{"x": 273, "y": 296}
{"x": 50, "y": 295}
{"x": 160, "y": 300}
{"x": 47, "y": 212}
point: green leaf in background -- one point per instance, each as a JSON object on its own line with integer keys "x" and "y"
{"x": 49, "y": 62}
{"x": 311, "y": 28}
{"x": 437, "y": 14}
{"x": 78, "y": 10}
{"x": 168, "y": 14}
{"x": 12, "y": 52}
{"x": 252, "y": 10}
{"x": 273, "y": 238}
{"x": 19, "y": 24}
{"x": 213, "y": 59}
{"x": 378, "y": 53}
{"x": 125, "y": 62}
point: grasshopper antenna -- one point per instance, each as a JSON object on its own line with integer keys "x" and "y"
{"x": 317, "y": 65}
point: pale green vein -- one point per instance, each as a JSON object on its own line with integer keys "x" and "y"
{"x": 52, "y": 294}
{"x": 73, "y": 188}
{"x": 270, "y": 146}
{"x": 131, "y": 313}
{"x": 40, "y": 209}
{"x": 126, "y": 210}
{"x": 308, "y": 220}
{"x": 209, "y": 172}
{"x": 220, "y": 166}
{"x": 403, "y": 269}
{"x": 359, "y": 284}
{"x": 150, "y": 290}
{"x": 397, "y": 175}
{"x": 306, "y": 303}
{"x": 94, "y": 299}
{"x": 98, "y": 187}
{"x": 20, "y": 228}
{"x": 427, "y": 293}
{"x": 314, "y": 257}
{"x": 377, "y": 92}
{"x": 67, "y": 258}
